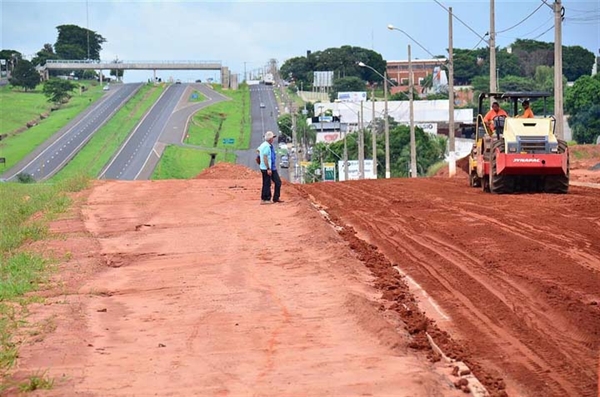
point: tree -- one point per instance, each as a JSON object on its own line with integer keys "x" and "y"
{"x": 12, "y": 57}
{"x": 284, "y": 122}
{"x": 586, "y": 124}
{"x": 577, "y": 62}
{"x": 346, "y": 84}
{"x": 584, "y": 93}
{"x": 342, "y": 61}
{"x": 47, "y": 52}
{"x": 72, "y": 43}
{"x": 58, "y": 90}
{"x": 24, "y": 75}
{"x": 582, "y": 104}
{"x": 516, "y": 83}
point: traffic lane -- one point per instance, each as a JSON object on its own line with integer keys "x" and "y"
{"x": 132, "y": 156}
{"x": 176, "y": 127}
{"x": 56, "y": 155}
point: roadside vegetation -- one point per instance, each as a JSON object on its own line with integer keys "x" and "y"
{"x": 107, "y": 140}
{"x": 20, "y": 108}
{"x": 225, "y": 126}
{"x": 25, "y": 210}
{"x": 185, "y": 162}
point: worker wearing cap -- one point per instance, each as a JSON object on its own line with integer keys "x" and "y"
{"x": 527, "y": 112}
{"x": 268, "y": 169}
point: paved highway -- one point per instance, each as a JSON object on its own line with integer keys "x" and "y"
{"x": 135, "y": 153}
{"x": 50, "y": 157}
{"x": 176, "y": 127}
{"x": 263, "y": 120}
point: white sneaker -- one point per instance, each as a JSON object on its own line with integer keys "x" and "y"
{"x": 265, "y": 202}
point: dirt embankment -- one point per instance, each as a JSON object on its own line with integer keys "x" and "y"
{"x": 192, "y": 288}
{"x": 515, "y": 279}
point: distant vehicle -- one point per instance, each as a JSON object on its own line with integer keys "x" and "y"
{"x": 177, "y": 81}
{"x": 268, "y": 79}
{"x": 285, "y": 162}
{"x": 198, "y": 81}
{"x": 106, "y": 88}
{"x": 282, "y": 145}
{"x": 262, "y": 105}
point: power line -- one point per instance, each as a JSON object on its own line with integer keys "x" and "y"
{"x": 523, "y": 20}
{"x": 461, "y": 21}
{"x": 546, "y": 31}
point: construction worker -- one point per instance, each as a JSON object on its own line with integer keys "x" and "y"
{"x": 527, "y": 112}
{"x": 496, "y": 111}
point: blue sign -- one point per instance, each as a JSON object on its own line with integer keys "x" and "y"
{"x": 228, "y": 141}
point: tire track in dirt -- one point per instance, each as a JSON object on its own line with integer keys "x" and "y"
{"x": 517, "y": 274}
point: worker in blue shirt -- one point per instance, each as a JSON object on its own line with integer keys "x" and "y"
{"x": 268, "y": 169}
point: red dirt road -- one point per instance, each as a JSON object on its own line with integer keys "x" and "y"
{"x": 191, "y": 288}
{"x": 515, "y": 280}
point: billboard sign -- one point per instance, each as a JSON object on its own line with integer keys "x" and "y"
{"x": 323, "y": 79}
{"x": 329, "y": 137}
{"x": 353, "y": 168}
{"x": 329, "y": 172}
{"x": 352, "y": 96}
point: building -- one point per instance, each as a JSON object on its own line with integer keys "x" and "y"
{"x": 397, "y": 71}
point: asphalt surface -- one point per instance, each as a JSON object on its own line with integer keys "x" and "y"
{"x": 134, "y": 155}
{"x": 176, "y": 127}
{"x": 56, "y": 152}
{"x": 263, "y": 120}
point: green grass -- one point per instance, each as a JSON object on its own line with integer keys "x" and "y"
{"x": 199, "y": 97}
{"x": 434, "y": 168}
{"x": 25, "y": 210}
{"x": 17, "y": 110}
{"x": 235, "y": 117}
{"x": 185, "y": 163}
{"x": 98, "y": 151}
{"x": 37, "y": 382}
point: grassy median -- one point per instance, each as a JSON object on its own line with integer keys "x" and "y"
{"x": 108, "y": 139}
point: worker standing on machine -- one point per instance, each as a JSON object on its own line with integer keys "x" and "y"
{"x": 527, "y": 112}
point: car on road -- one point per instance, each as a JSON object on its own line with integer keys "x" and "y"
{"x": 262, "y": 105}
{"x": 285, "y": 162}
{"x": 177, "y": 81}
{"x": 106, "y": 88}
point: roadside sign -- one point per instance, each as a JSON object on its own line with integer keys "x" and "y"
{"x": 329, "y": 172}
{"x": 228, "y": 141}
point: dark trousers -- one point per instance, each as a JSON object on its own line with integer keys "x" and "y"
{"x": 265, "y": 193}
{"x": 277, "y": 181}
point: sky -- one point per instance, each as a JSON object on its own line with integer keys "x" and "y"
{"x": 246, "y": 34}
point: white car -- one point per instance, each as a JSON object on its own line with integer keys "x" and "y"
{"x": 262, "y": 105}
{"x": 106, "y": 88}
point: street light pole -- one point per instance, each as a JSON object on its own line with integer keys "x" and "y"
{"x": 361, "y": 144}
{"x": 558, "y": 78}
{"x": 386, "y": 127}
{"x": 451, "y": 143}
{"x": 373, "y": 137}
{"x": 413, "y": 145}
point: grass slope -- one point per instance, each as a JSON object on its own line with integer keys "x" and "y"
{"x": 16, "y": 147}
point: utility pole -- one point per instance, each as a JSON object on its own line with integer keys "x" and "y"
{"x": 294, "y": 139}
{"x": 87, "y": 17}
{"x": 373, "y": 135}
{"x": 345, "y": 152}
{"x": 451, "y": 143}
{"x": 361, "y": 144}
{"x": 493, "y": 83}
{"x": 558, "y": 74}
{"x": 413, "y": 144}
{"x": 386, "y": 126}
